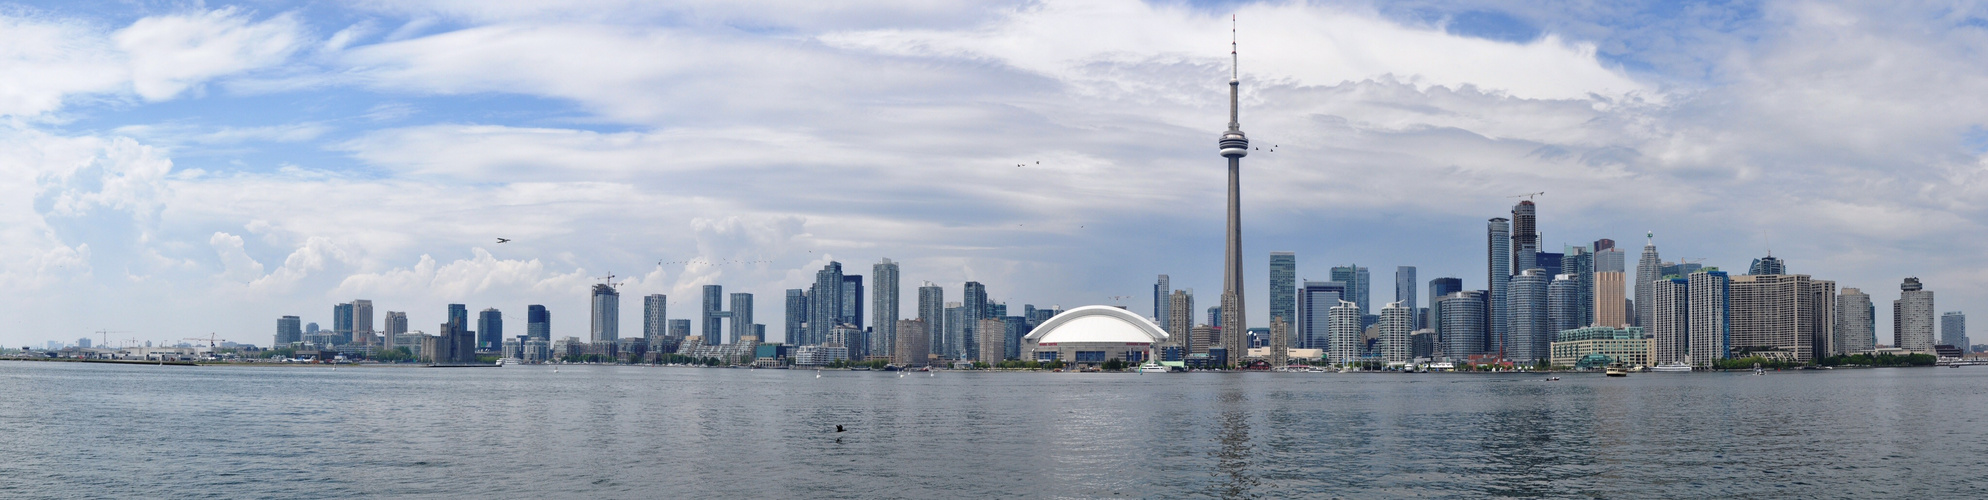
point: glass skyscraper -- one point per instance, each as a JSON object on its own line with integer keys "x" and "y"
{"x": 538, "y": 323}
{"x": 1284, "y": 291}
{"x": 1499, "y": 257}
{"x": 606, "y": 313}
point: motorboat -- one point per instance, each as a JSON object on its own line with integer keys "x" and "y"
{"x": 1151, "y": 367}
{"x": 1672, "y": 367}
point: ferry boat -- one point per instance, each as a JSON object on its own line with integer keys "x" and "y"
{"x": 1672, "y": 367}
{"x": 1151, "y": 367}
{"x": 1616, "y": 370}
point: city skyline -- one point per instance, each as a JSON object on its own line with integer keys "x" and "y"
{"x": 326, "y": 158}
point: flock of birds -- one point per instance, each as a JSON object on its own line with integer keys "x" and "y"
{"x": 725, "y": 262}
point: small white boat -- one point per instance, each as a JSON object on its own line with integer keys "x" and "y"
{"x": 1672, "y": 367}
{"x": 1151, "y": 367}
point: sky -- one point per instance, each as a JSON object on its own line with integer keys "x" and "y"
{"x": 175, "y": 169}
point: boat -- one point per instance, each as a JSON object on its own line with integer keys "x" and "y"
{"x": 1616, "y": 370}
{"x": 1672, "y": 367}
{"x": 1151, "y": 367}
{"x": 1757, "y": 370}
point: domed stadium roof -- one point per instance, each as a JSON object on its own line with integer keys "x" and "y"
{"x": 1101, "y": 324}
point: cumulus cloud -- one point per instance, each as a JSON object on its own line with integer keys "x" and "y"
{"x": 172, "y": 53}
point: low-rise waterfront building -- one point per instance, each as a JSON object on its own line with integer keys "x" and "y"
{"x": 1625, "y": 345}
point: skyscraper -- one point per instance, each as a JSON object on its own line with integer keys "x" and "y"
{"x": 1284, "y": 289}
{"x": 396, "y": 325}
{"x": 1234, "y": 146}
{"x": 1359, "y": 287}
{"x": 538, "y": 323}
{"x": 1912, "y": 317}
{"x": 1579, "y": 264}
{"x": 1648, "y": 271}
{"x": 1439, "y": 288}
{"x": 1669, "y": 317}
{"x": 1397, "y": 320}
{"x": 825, "y": 300}
{"x": 913, "y": 347}
{"x": 883, "y": 308}
{"x": 1463, "y": 324}
{"x": 1525, "y": 237}
{"x": 341, "y": 322}
{"x": 1609, "y": 302}
{"x": 1315, "y": 305}
{"x": 606, "y": 313}
{"x": 973, "y": 308}
{"x": 711, "y": 314}
{"x": 288, "y": 329}
{"x": 932, "y": 315}
{"x": 1497, "y": 277}
{"x": 1344, "y": 329}
{"x": 797, "y": 317}
{"x": 655, "y": 317}
{"x": 993, "y": 342}
{"x": 1767, "y": 265}
{"x": 1162, "y": 295}
{"x": 1181, "y": 307}
{"x": 679, "y": 329}
{"x": 1603, "y": 245}
{"x": 1531, "y": 327}
{"x": 362, "y": 321}
{"x": 1710, "y": 317}
{"x": 956, "y": 347}
{"x": 1610, "y": 260}
{"x": 852, "y": 301}
{"x": 1953, "y": 329}
{"x": 1856, "y": 323}
{"x": 489, "y": 329}
{"x": 1561, "y": 295}
{"x": 1784, "y": 314}
{"x": 1404, "y": 292}
{"x": 459, "y": 316}
{"x": 741, "y": 316}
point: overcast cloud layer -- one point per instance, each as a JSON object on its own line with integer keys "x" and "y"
{"x": 174, "y": 170}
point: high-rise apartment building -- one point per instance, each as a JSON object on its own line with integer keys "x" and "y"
{"x": 1912, "y": 317}
{"x": 1284, "y": 287}
{"x": 1181, "y": 307}
{"x": 341, "y": 322}
{"x": 1525, "y": 238}
{"x": 362, "y": 321}
{"x": 655, "y": 317}
{"x": 1562, "y": 296}
{"x": 1358, "y": 286}
{"x": 395, "y": 326}
{"x": 993, "y": 342}
{"x": 1610, "y": 306}
{"x": 606, "y": 314}
{"x": 825, "y": 302}
{"x": 932, "y": 315}
{"x": 883, "y": 308}
{"x": 1953, "y": 329}
{"x": 956, "y": 346}
{"x": 679, "y": 329}
{"x": 538, "y": 323}
{"x": 973, "y": 308}
{"x": 1648, "y": 271}
{"x": 1404, "y": 291}
{"x": 711, "y": 314}
{"x": 1397, "y": 321}
{"x": 1162, "y": 296}
{"x": 1710, "y": 317}
{"x": 913, "y": 347}
{"x": 852, "y": 301}
{"x": 288, "y": 329}
{"x": 1856, "y": 323}
{"x": 1501, "y": 257}
{"x": 1439, "y": 288}
{"x": 489, "y": 329}
{"x": 1767, "y": 265}
{"x": 1669, "y": 317}
{"x": 1782, "y": 315}
{"x": 1531, "y": 325}
{"x": 741, "y": 316}
{"x": 796, "y": 317}
{"x": 1315, "y": 305}
{"x": 1344, "y": 329}
{"x": 1579, "y": 264}
{"x": 1463, "y": 325}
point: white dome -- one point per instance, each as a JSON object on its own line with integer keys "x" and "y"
{"x": 1104, "y": 324}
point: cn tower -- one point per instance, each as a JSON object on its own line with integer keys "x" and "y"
{"x": 1235, "y": 326}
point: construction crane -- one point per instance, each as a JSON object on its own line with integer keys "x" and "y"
{"x": 211, "y": 338}
{"x": 106, "y": 335}
{"x": 1527, "y": 196}
{"x": 608, "y": 280}
{"x": 130, "y": 342}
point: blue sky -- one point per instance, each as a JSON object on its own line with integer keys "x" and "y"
{"x": 178, "y": 168}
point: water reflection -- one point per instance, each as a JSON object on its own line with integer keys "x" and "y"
{"x": 1233, "y": 478}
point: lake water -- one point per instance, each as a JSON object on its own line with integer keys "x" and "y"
{"x": 87, "y": 430}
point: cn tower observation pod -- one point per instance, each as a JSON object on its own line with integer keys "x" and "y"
{"x": 1091, "y": 335}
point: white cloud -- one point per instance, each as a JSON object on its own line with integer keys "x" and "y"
{"x": 235, "y": 261}
{"x": 51, "y": 60}
{"x": 170, "y": 54}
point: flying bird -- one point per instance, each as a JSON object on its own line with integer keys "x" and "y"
{"x": 503, "y": 240}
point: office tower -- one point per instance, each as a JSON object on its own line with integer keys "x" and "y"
{"x": 1397, "y": 322}
{"x": 1856, "y": 323}
{"x": 1648, "y": 271}
{"x": 932, "y": 314}
{"x": 1500, "y": 259}
{"x": 1669, "y": 318}
{"x": 973, "y": 308}
{"x": 955, "y": 331}
{"x": 996, "y": 309}
{"x": 1017, "y": 327}
{"x": 1710, "y": 312}
{"x": 852, "y": 301}
{"x": 913, "y": 348}
{"x": 1463, "y": 324}
{"x": 1284, "y": 288}
{"x": 538, "y": 323}
{"x": 1561, "y": 295}
{"x": 741, "y": 316}
{"x": 711, "y": 314}
{"x": 1181, "y": 307}
{"x": 1279, "y": 353}
{"x": 883, "y": 307}
{"x": 1610, "y": 306}
{"x": 1953, "y": 329}
{"x": 1610, "y": 260}
{"x": 1767, "y": 265}
{"x": 489, "y": 329}
{"x": 1912, "y": 318}
{"x": 1531, "y": 327}
{"x": 341, "y": 322}
{"x": 1358, "y": 289}
{"x": 1215, "y": 316}
{"x": 362, "y": 321}
{"x": 1201, "y": 339}
{"x": 1439, "y": 288}
{"x": 455, "y": 346}
{"x": 1525, "y": 237}
{"x": 825, "y": 302}
{"x": 1315, "y": 305}
{"x": 679, "y": 329}
{"x": 1162, "y": 296}
{"x": 655, "y": 317}
{"x": 1580, "y": 265}
{"x": 1550, "y": 261}
{"x": 1782, "y": 314}
{"x": 1344, "y": 329}
{"x": 396, "y": 325}
{"x": 310, "y": 328}
{"x": 288, "y": 330}
{"x": 1404, "y": 292}
{"x": 993, "y": 342}
{"x": 1823, "y": 336}
{"x": 459, "y": 316}
{"x": 1603, "y": 245}
{"x": 606, "y": 314}
{"x": 1234, "y": 146}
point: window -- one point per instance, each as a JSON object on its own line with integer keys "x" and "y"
{"x": 1090, "y": 356}
{"x": 1045, "y": 355}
